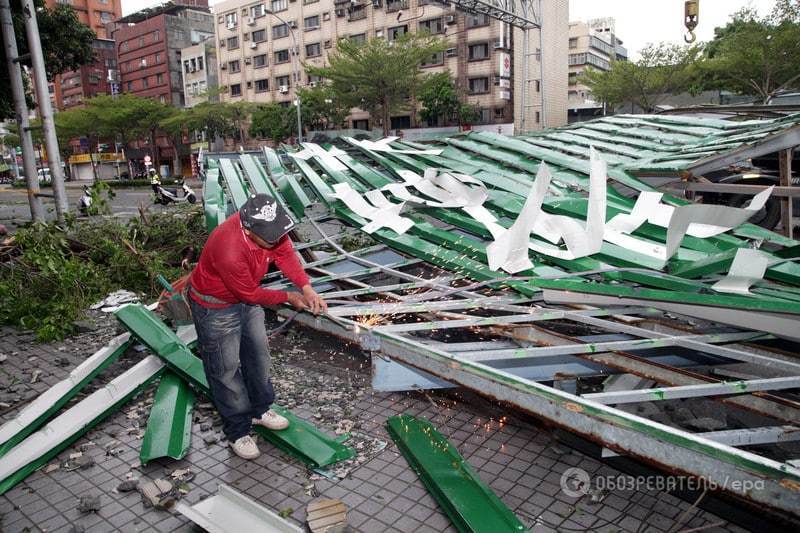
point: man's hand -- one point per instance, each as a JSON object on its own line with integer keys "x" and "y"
{"x": 297, "y": 300}
{"x": 313, "y": 301}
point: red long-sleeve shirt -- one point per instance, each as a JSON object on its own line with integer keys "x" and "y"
{"x": 232, "y": 266}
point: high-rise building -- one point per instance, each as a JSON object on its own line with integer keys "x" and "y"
{"x": 149, "y": 45}
{"x": 85, "y": 82}
{"x": 592, "y": 44}
{"x": 485, "y": 56}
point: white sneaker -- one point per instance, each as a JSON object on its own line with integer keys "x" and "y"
{"x": 272, "y": 420}
{"x": 246, "y": 448}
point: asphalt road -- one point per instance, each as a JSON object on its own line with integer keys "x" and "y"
{"x": 14, "y": 208}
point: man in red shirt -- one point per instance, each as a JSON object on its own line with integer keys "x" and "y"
{"x": 226, "y": 298}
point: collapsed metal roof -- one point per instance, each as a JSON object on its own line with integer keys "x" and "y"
{"x": 406, "y": 271}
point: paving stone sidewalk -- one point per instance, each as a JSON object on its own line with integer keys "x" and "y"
{"x": 520, "y": 461}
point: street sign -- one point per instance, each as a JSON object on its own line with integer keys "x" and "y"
{"x": 147, "y": 160}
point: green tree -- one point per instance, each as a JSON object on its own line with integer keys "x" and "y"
{"x": 213, "y": 118}
{"x": 759, "y": 56}
{"x": 379, "y": 76}
{"x": 272, "y": 121}
{"x": 662, "y": 69}
{"x": 440, "y": 99}
{"x": 322, "y": 108}
{"x": 66, "y": 45}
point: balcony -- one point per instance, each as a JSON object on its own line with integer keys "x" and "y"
{"x": 396, "y": 5}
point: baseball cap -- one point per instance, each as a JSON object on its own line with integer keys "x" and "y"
{"x": 265, "y": 217}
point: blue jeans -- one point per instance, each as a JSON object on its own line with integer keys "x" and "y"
{"x": 233, "y": 345}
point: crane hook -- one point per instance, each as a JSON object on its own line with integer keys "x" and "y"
{"x": 690, "y": 19}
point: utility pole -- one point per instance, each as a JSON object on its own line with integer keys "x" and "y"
{"x": 45, "y": 109}
{"x": 21, "y": 110}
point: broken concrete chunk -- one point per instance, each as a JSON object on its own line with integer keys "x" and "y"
{"x": 158, "y": 494}
{"x": 129, "y": 485}
{"x": 89, "y": 504}
{"x": 210, "y": 439}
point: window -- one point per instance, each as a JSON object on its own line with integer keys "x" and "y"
{"x": 262, "y": 86}
{"x": 397, "y": 32}
{"x": 186, "y": 66}
{"x": 145, "y": 82}
{"x": 311, "y": 23}
{"x": 478, "y": 85}
{"x": 572, "y": 78}
{"x": 478, "y": 51}
{"x": 105, "y": 16}
{"x": 162, "y": 99}
{"x": 314, "y": 79}
{"x": 94, "y": 79}
{"x": 432, "y": 26}
{"x": 473, "y": 21}
{"x": 306, "y": 2}
{"x": 141, "y": 40}
{"x": 281, "y": 56}
{"x": 357, "y": 12}
{"x": 282, "y": 81}
{"x": 258, "y": 11}
{"x": 499, "y": 112}
{"x": 201, "y": 87}
{"x": 537, "y": 117}
{"x": 231, "y": 19}
{"x": 236, "y": 89}
{"x": 159, "y": 78}
{"x": 158, "y": 57}
{"x": 313, "y": 50}
{"x": 359, "y": 38}
{"x": 260, "y": 61}
{"x": 281, "y": 30}
{"x": 123, "y": 47}
{"x": 130, "y": 86}
{"x": 279, "y": 5}
{"x": 188, "y": 89}
{"x": 379, "y": 34}
{"x": 233, "y": 43}
{"x": 396, "y": 5}
{"x": 573, "y": 42}
{"x": 156, "y": 35}
{"x": 200, "y": 63}
{"x": 234, "y": 66}
{"x": 435, "y": 59}
{"x": 538, "y": 84}
{"x": 259, "y": 36}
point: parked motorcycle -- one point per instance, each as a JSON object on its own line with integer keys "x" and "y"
{"x": 166, "y": 196}
{"x": 85, "y": 201}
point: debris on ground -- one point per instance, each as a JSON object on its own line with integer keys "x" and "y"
{"x": 115, "y": 300}
{"x": 159, "y": 494}
{"x": 325, "y": 514}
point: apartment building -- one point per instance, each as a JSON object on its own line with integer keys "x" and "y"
{"x": 592, "y": 44}
{"x": 149, "y": 49}
{"x": 200, "y": 75}
{"x": 97, "y": 78}
{"x": 256, "y": 42}
{"x": 95, "y": 14}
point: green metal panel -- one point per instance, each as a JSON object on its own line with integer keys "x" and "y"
{"x": 28, "y": 427}
{"x": 468, "y": 502}
{"x": 256, "y": 176}
{"x": 213, "y": 200}
{"x": 233, "y": 180}
{"x": 300, "y": 440}
{"x": 169, "y": 428}
{"x": 294, "y": 194}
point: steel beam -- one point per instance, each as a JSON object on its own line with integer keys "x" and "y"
{"x": 788, "y": 138}
{"x": 694, "y": 391}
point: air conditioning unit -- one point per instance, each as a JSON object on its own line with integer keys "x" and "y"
{"x": 223, "y": 66}
{"x": 222, "y": 43}
{"x": 231, "y": 25}
{"x": 251, "y": 21}
{"x": 247, "y": 60}
{"x": 377, "y": 3}
{"x": 451, "y": 52}
{"x": 340, "y": 13}
{"x": 499, "y": 45}
{"x": 450, "y": 19}
{"x": 292, "y": 24}
{"x": 283, "y": 89}
{"x": 254, "y": 45}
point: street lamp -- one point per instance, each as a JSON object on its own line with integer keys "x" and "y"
{"x": 294, "y": 70}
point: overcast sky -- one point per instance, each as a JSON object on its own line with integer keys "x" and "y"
{"x": 638, "y": 21}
